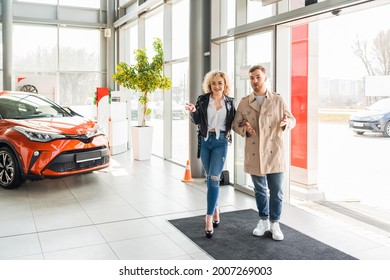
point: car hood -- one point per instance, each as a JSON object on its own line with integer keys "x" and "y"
{"x": 66, "y": 125}
{"x": 365, "y": 114}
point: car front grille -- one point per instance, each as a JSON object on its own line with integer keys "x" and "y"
{"x": 364, "y": 125}
{"x": 79, "y": 160}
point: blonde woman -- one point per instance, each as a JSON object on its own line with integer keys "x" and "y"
{"x": 213, "y": 113}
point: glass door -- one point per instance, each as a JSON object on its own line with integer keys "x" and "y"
{"x": 338, "y": 66}
{"x": 250, "y": 50}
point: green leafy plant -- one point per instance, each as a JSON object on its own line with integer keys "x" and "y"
{"x": 144, "y": 76}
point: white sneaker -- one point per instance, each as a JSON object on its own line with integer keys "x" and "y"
{"x": 261, "y": 228}
{"x": 277, "y": 234}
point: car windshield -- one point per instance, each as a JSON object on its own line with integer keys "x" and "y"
{"x": 27, "y": 106}
{"x": 381, "y": 105}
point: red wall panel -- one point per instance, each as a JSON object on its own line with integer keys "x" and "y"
{"x": 299, "y": 94}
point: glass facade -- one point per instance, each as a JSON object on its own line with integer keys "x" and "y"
{"x": 69, "y": 59}
{"x": 179, "y": 120}
{"x": 180, "y": 82}
{"x": 250, "y": 50}
{"x": 344, "y": 89}
{"x": 256, "y": 11}
{"x": 84, "y": 3}
{"x": 40, "y": 53}
{"x": 322, "y": 99}
{"x": 180, "y": 30}
{"x": 61, "y": 63}
{"x": 168, "y": 116}
{"x": 75, "y": 3}
{"x": 52, "y": 2}
{"x": 154, "y": 28}
{"x": 74, "y": 53}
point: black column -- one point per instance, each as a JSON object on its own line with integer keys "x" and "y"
{"x": 199, "y": 65}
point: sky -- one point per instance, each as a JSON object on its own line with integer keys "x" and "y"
{"x": 337, "y": 35}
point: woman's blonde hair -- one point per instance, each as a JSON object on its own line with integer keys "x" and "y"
{"x": 210, "y": 76}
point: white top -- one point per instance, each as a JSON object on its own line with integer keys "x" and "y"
{"x": 260, "y": 99}
{"x": 216, "y": 118}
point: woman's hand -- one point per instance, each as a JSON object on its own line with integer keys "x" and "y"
{"x": 190, "y": 107}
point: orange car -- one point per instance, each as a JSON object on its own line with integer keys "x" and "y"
{"x": 40, "y": 139}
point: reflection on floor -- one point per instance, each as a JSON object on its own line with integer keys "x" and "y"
{"x": 122, "y": 212}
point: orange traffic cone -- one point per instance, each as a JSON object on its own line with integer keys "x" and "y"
{"x": 187, "y": 174}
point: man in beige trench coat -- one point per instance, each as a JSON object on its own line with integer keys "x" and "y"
{"x": 262, "y": 117}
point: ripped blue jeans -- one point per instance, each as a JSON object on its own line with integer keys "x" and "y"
{"x": 213, "y": 155}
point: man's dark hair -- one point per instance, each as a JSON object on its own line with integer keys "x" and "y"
{"x": 258, "y": 66}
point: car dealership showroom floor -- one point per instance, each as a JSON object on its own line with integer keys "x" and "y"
{"x": 122, "y": 213}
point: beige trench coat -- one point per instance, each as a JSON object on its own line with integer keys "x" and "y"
{"x": 264, "y": 153}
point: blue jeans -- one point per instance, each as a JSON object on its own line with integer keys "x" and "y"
{"x": 213, "y": 154}
{"x": 269, "y": 207}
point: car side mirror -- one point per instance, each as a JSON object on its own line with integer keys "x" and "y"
{"x": 71, "y": 112}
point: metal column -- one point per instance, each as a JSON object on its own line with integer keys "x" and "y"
{"x": 199, "y": 64}
{"x": 7, "y": 20}
{"x": 110, "y": 36}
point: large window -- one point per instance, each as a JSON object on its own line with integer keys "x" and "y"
{"x": 180, "y": 28}
{"x": 35, "y": 48}
{"x": 260, "y": 51}
{"x": 1, "y": 57}
{"x": 180, "y": 96}
{"x": 180, "y": 90}
{"x": 52, "y": 2}
{"x": 1, "y": 46}
{"x": 79, "y": 49}
{"x": 128, "y": 44}
{"x": 254, "y": 49}
{"x": 36, "y": 62}
{"x": 133, "y": 42}
{"x": 256, "y": 11}
{"x": 83, "y": 3}
{"x": 168, "y": 116}
{"x": 227, "y": 52}
{"x": 60, "y": 63}
{"x": 154, "y": 29}
{"x": 78, "y": 88}
{"x": 75, "y": 3}
{"x": 231, "y": 14}
{"x": 359, "y": 50}
{"x": 79, "y": 65}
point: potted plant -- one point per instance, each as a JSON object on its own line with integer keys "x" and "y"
{"x": 145, "y": 77}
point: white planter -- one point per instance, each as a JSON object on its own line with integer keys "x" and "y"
{"x": 142, "y": 142}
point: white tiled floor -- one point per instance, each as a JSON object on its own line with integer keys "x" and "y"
{"x": 122, "y": 212}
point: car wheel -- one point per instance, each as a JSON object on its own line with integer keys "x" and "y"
{"x": 359, "y": 132}
{"x": 386, "y": 131}
{"x": 29, "y": 88}
{"x": 10, "y": 176}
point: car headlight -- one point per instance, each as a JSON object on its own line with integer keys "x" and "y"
{"x": 99, "y": 131}
{"x": 38, "y": 136}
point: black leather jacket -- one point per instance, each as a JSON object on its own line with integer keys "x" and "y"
{"x": 199, "y": 117}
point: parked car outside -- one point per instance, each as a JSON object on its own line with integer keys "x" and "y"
{"x": 375, "y": 118}
{"x": 40, "y": 139}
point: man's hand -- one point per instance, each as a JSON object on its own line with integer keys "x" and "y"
{"x": 284, "y": 121}
{"x": 249, "y": 128}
